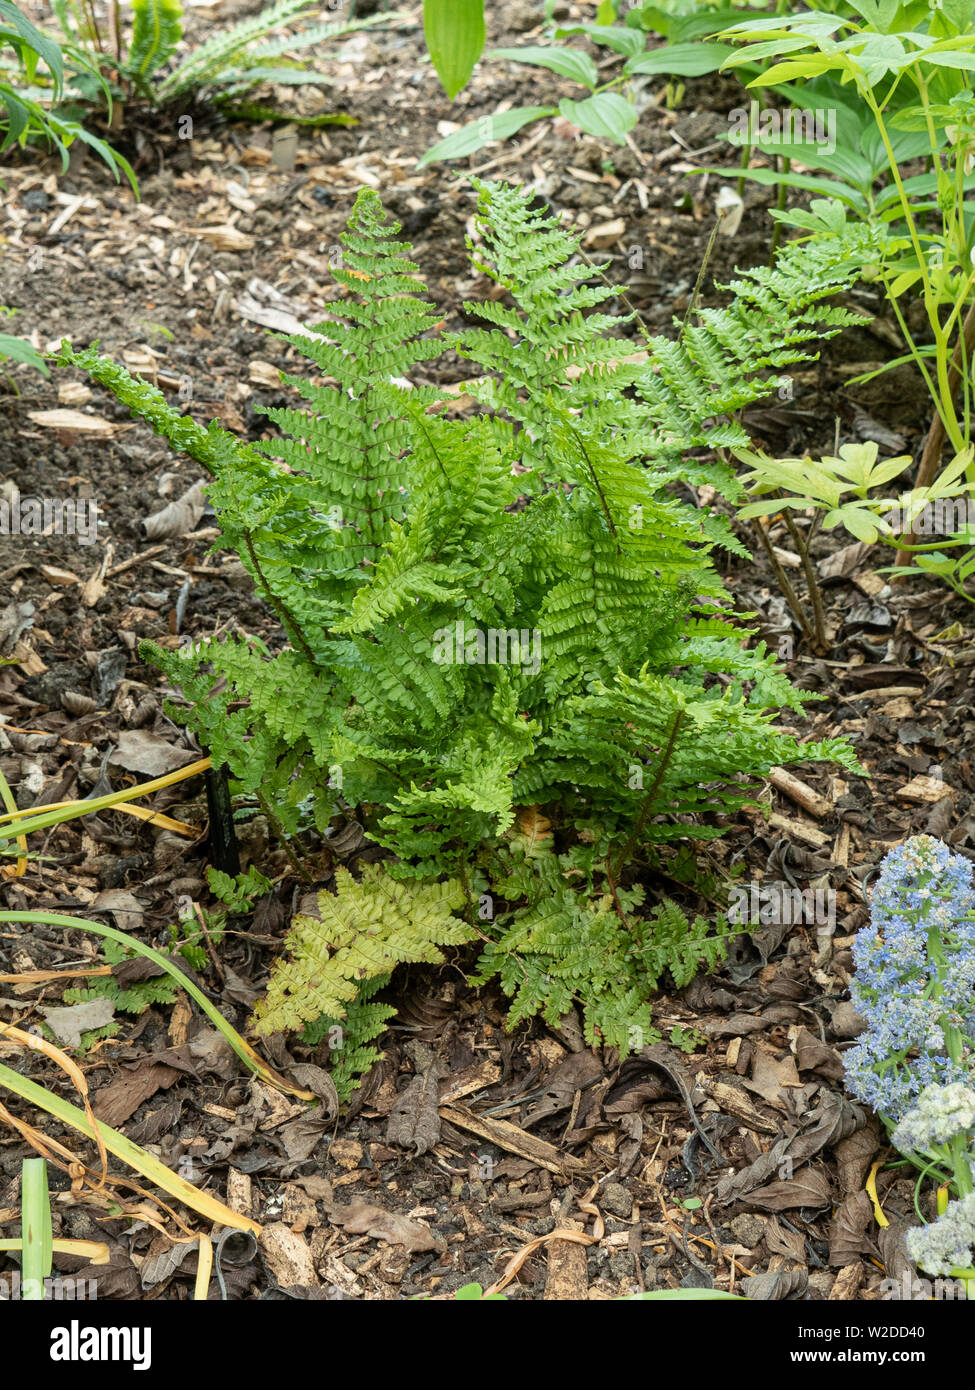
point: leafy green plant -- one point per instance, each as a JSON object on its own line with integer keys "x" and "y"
{"x": 134, "y": 998}
{"x": 824, "y": 486}
{"x": 26, "y": 119}
{"x": 350, "y": 1054}
{"x": 495, "y": 613}
{"x": 366, "y": 928}
{"x": 224, "y": 68}
{"x": 598, "y": 947}
{"x": 687, "y": 1039}
{"x": 188, "y": 937}
{"x": 906, "y": 66}
{"x": 240, "y": 893}
{"x": 605, "y": 108}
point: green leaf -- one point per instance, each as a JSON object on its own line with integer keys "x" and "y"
{"x": 963, "y": 62}
{"x": 484, "y": 131}
{"x": 683, "y": 59}
{"x": 856, "y": 519}
{"x": 567, "y": 62}
{"x": 455, "y": 34}
{"x": 35, "y": 1204}
{"x": 771, "y": 178}
{"x": 19, "y": 351}
{"x": 629, "y": 42}
{"x": 43, "y": 46}
{"x": 795, "y": 70}
{"x": 606, "y": 116}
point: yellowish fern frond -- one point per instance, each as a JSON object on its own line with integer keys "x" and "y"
{"x": 366, "y": 929}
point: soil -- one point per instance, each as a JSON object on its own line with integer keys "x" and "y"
{"x": 536, "y": 1133}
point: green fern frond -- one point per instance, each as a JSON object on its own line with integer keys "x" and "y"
{"x": 157, "y": 28}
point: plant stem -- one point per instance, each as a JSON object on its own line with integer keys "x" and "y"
{"x": 650, "y": 798}
{"x": 287, "y": 618}
{"x": 812, "y": 583}
{"x": 709, "y": 250}
{"x": 784, "y": 583}
{"x": 937, "y": 434}
{"x": 279, "y": 830}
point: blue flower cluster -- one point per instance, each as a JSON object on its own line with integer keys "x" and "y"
{"x": 915, "y": 975}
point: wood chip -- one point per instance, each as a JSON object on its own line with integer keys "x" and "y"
{"x": 925, "y": 790}
{"x": 800, "y": 793}
{"x": 239, "y": 1191}
{"x": 71, "y": 420}
{"x": 512, "y": 1139}
{"x": 287, "y": 1256}
{"x": 604, "y": 234}
{"x": 57, "y": 576}
{"x": 263, "y": 374}
{"x": 567, "y": 1280}
{"x": 799, "y": 830}
{"x": 73, "y": 393}
{"x": 736, "y": 1103}
{"x": 225, "y": 237}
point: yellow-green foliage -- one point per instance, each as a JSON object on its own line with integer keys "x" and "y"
{"x": 367, "y": 928}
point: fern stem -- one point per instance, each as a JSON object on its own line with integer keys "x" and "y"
{"x": 937, "y": 434}
{"x": 612, "y": 888}
{"x": 743, "y": 163}
{"x": 650, "y": 798}
{"x": 282, "y": 835}
{"x": 288, "y": 619}
{"x": 708, "y": 253}
{"x": 785, "y": 166}
{"x": 784, "y": 583}
{"x": 599, "y": 489}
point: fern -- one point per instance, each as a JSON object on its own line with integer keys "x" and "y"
{"x": 130, "y": 999}
{"x": 156, "y": 30}
{"x": 238, "y": 893}
{"x": 366, "y": 929}
{"x": 548, "y": 356}
{"x": 234, "y": 59}
{"x": 562, "y": 947}
{"x": 349, "y": 1051}
{"x": 493, "y": 613}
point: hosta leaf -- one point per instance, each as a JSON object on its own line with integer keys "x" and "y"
{"x": 567, "y": 62}
{"x": 454, "y": 32}
{"x": 607, "y": 116}
{"x": 484, "y": 131}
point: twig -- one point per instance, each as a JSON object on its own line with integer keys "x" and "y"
{"x": 812, "y": 583}
{"x": 788, "y": 593}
